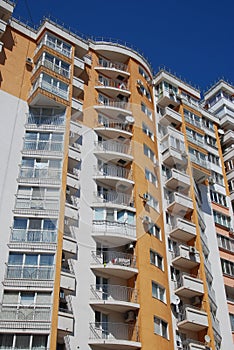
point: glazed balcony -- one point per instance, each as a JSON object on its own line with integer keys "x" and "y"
{"x": 188, "y": 286}
{"x": 33, "y": 236}
{"x": 112, "y": 198}
{"x": 113, "y": 87}
{"x": 110, "y": 175}
{"x": 114, "y": 335}
{"x": 169, "y": 116}
{"x": 65, "y": 322}
{"x": 186, "y": 257}
{"x": 41, "y": 122}
{"x": 114, "y": 298}
{"x": 79, "y": 65}
{"x": 30, "y": 205}
{"x": 192, "y": 319}
{"x": 77, "y": 105}
{"x": 43, "y": 62}
{"x": 182, "y": 230}
{"x": 39, "y": 176}
{"x": 78, "y": 85}
{"x": 54, "y": 46}
{"x": 38, "y": 147}
{"x": 29, "y": 272}
{"x": 167, "y": 97}
{"x": 113, "y": 107}
{"x": 226, "y": 119}
{"x": 196, "y": 122}
{"x": 112, "y": 129}
{"x": 67, "y": 280}
{"x": 201, "y": 170}
{"x": 114, "y": 263}
{"x": 3, "y": 25}
{"x": 196, "y": 141}
{"x": 173, "y": 148}
{"x": 113, "y": 232}
{"x": 69, "y": 245}
{"x": 53, "y": 90}
{"x": 228, "y": 138}
{"x": 111, "y": 149}
{"x": 112, "y": 69}
{"x": 179, "y": 204}
{"x": 6, "y": 8}
{"x": 177, "y": 179}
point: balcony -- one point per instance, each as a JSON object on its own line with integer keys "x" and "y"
{"x": 114, "y": 336}
{"x": 113, "y": 107}
{"x": 110, "y": 175}
{"x": 169, "y": 116}
{"x": 167, "y": 97}
{"x": 188, "y": 286}
{"x": 38, "y": 147}
{"x": 113, "y": 232}
{"x": 29, "y": 272}
{"x": 36, "y": 206}
{"x": 67, "y": 280}
{"x": 3, "y": 25}
{"x": 112, "y": 129}
{"x": 77, "y": 105}
{"x": 201, "y": 168}
{"x": 33, "y": 239}
{"x": 226, "y": 119}
{"x": 114, "y": 298}
{"x": 112, "y": 69}
{"x": 191, "y": 344}
{"x": 196, "y": 122}
{"x": 48, "y": 123}
{"x": 6, "y": 8}
{"x": 40, "y": 175}
{"x": 65, "y": 322}
{"x": 177, "y": 179}
{"x": 196, "y": 141}
{"x": 69, "y": 245}
{"x": 25, "y": 317}
{"x": 216, "y": 326}
{"x": 228, "y": 138}
{"x": 111, "y": 149}
{"x": 78, "y": 64}
{"x": 48, "y": 93}
{"x": 112, "y": 87}
{"x": 179, "y": 204}
{"x": 114, "y": 263}
{"x": 113, "y": 198}
{"x": 183, "y": 230}
{"x": 185, "y": 257}
{"x": 192, "y": 319}
{"x": 54, "y": 46}
{"x": 78, "y": 85}
{"x": 43, "y": 62}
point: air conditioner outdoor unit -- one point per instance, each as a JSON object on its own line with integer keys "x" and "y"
{"x": 146, "y": 196}
{"x": 29, "y": 60}
{"x": 211, "y": 181}
{"x": 192, "y": 250}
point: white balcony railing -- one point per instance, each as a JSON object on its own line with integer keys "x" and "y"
{"x": 59, "y": 48}
{"x": 199, "y": 161}
{"x": 29, "y": 272}
{"x": 52, "y": 66}
{"x": 28, "y": 202}
{"x": 118, "y": 84}
{"x": 25, "y": 313}
{"x": 114, "y": 292}
{"x": 33, "y": 236}
{"x": 43, "y": 146}
{"x": 45, "y": 121}
{"x": 114, "y": 331}
{"x": 114, "y": 227}
{"x": 113, "y": 146}
{"x": 45, "y": 85}
{"x": 43, "y": 174}
{"x": 114, "y": 258}
{"x": 112, "y": 65}
{"x": 115, "y": 104}
{"x": 114, "y": 124}
{"x": 114, "y": 197}
{"x": 114, "y": 171}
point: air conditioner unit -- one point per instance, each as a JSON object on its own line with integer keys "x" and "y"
{"x": 139, "y": 82}
{"x": 192, "y": 250}
{"x": 29, "y": 60}
{"x": 130, "y": 316}
{"x": 211, "y": 181}
{"x": 146, "y": 196}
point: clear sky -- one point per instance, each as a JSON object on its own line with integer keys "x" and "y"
{"x": 195, "y": 39}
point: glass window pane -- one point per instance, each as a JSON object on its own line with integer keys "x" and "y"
{"x": 15, "y": 259}
{"x": 47, "y": 260}
{"x": 20, "y": 223}
{"x": 31, "y": 259}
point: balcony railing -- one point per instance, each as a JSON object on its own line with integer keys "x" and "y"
{"x": 113, "y": 146}
{"x": 54, "y": 46}
{"x": 114, "y": 124}
{"x": 113, "y": 292}
{"x": 118, "y": 84}
{"x": 45, "y": 121}
{"x": 113, "y": 65}
{"x": 28, "y": 202}
{"x": 114, "y": 331}
{"x": 114, "y": 258}
{"x": 199, "y": 142}
{"x": 199, "y": 161}
{"x": 43, "y": 146}
{"x": 29, "y": 272}
{"x": 114, "y": 198}
{"x": 114, "y": 171}
{"x": 115, "y": 104}
{"x": 43, "y": 84}
{"x": 197, "y": 123}
{"x": 43, "y": 174}
{"x": 114, "y": 227}
{"x": 33, "y": 236}
{"x": 24, "y": 313}
{"x": 54, "y": 67}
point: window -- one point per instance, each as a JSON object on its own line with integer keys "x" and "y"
{"x": 218, "y": 198}
{"x": 218, "y": 178}
{"x": 207, "y": 123}
{"x": 194, "y": 137}
{"x": 229, "y": 165}
{"x": 56, "y": 44}
{"x": 227, "y": 267}
{"x": 53, "y": 85}
{"x": 145, "y": 92}
{"x": 152, "y": 202}
{"x": 149, "y": 153}
{"x": 232, "y": 321}
{"x": 150, "y": 177}
{"x": 147, "y": 111}
{"x": 158, "y": 292}
{"x": 143, "y": 73}
{"x": 160, "y": 327}
{"x": 153, "y": 229}
{"x": 225, "y": 242}
{"x": 222, "y": 219}
{"x": 147, "y": 131}
{"x": 192, "y": 118}
{"x": 156, "y": 259}
{"x": 213, "y": 159}
{"x": 211, "y": 141}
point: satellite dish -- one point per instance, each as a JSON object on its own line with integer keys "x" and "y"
{"x": 175, "y": 300}
{"x": 129, "y": 119}
{"x": 207, "y": 338}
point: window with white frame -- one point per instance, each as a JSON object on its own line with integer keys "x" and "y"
{"x": 192, "y": 118}
{"x": 52, "y": 85}
{"x": 114, "y": 215}
{"x": 194, "y": 136}
{"x": 156, "y": 259}
{"x": 225, "y": 242}
{"x": 54, "y": 63}
{"x": 146, "y": 130}
{"x": 153, "y": 229}
{"x": 227, "y": 267}
{"x": 229, "y": 165}
{"x": 207, "y": 123}
{"x": 149, "y": 153}
{"x": 160, "y": 327}
{"x": 232, "y": 321}
{"x": 218, "y": 198}
{"x": 152, "y": 202}
{"x": 212, "y": 158}
{"x": 143, "y": 73}
{"x": 211, "y": 141}
{"x": 222, "y": 219}
{"x": 144, "y": 91}
{"x": 158, "y": 292}
{"x": 218, "y": 178}
{"x": 56, "y": 44}
{"x": 150, "y": 177}
{"x": 147, "y": 111}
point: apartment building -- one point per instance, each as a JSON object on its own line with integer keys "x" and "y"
{"x": 116, "y": 190}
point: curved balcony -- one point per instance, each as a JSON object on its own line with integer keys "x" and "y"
{"x": 111, "y": 150}
{"x": 113, "y": 107}
{"x": 112, "y": 129}
{"x": 110, "y": 174}
{"x": 50, "y": 148}
{"x": 114, "y": 263}
{"x": 188, "y": 286}
{"x": 113, "y": 87}
{"x": 113, "y": 198}
{"x": 43, "y": 122}
{"x": 109, "y": 335}
{"x": 114, "y": 298}
{"x": 113, "y": 232}
{"x": 192, "y": 318}
{"x": 186, "y": 257}
{"x": 36, "y": 206}
{"x": 40, "y": 176}
{"x": 112, "y": 69}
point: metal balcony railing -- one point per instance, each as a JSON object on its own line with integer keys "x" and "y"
{"x": 113, "y": 65}
{"x": 54, "y": 46}
{"x": 52, "y": 66}
{"x": 114, "y": 292}
{"x": 43, "y": 173}
{"x": 43, "y": 146}
{"x": 114, "y": 124}
{"x": 41, "y": 120}
{"x": 113, "y": 146}
{"x": 29, "y": 272}
{"x": 109, "y": 196}
{"x": 28, "y": 202}
{"x": 118, "y": 84}
{"x": 115, "y": 171}
{"x": 114, "y": 103}
{"x": 182, "y": 315}
{"x": 114, "y": 258}
{"x": 43, "y": 84}
{"x": 24, "y": 313}
{"x": 114, "y": 227}
{"x": 114, "y": 331}
{"x": 33, "y": 236}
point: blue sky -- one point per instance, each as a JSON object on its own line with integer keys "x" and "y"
{"x": 195, "y": 39}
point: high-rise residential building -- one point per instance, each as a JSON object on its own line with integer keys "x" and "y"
{"x": 116, "y": 205}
